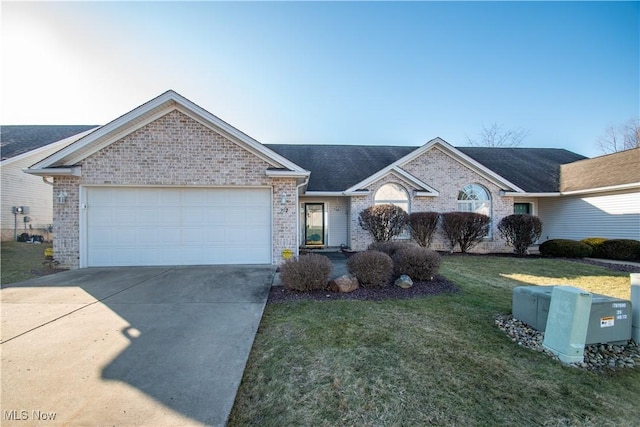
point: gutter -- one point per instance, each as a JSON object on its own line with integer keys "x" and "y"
{"x": 47, "y": 172}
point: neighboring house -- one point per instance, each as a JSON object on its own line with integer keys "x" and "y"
{"x": 170, "y": 183}
{"x": 598, "y": 197}
{"x": 22, "y": 146}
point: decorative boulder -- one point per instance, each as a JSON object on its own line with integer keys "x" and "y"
{"x": 344, "y": 284}
{"x": 404, "y": 282}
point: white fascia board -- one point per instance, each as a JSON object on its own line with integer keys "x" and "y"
{"x": 357, "y": 193}
{"x": 57, "y": 144}
{"x": 108, "y": 133}
{"x": 325, "y": 194}
{"x": 72, "y": 171}
{"x": 462, "y": 158}
{"x": 393, "y": 168}
{"x": 629, "y": 186}
{"x": 151, "y": 111}
{"x": 525, "y": 194}
{"x": 287, "y": 174}
{"x": 426, "y": 194}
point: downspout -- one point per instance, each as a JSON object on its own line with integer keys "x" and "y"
{"x": 298, "y": 187}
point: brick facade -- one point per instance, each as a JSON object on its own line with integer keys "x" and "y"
{"x": 174, "y": 150}
{"x": 448, "y": 177}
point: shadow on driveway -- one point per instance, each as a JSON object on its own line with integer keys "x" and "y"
{"x": 134, "y": 346}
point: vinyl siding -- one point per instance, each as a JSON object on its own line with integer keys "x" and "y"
{"x": 609, "y": 215}
{"x": 20, "y": 189}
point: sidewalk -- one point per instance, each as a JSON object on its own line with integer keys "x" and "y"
{"x": 613, "y": 261}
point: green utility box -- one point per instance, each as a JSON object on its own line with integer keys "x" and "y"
{"x": 609, "y": 320}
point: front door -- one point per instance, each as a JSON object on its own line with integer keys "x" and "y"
{"x": 314, "y": 224}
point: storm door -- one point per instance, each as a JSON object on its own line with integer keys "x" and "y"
{"x": 314, "y": 224}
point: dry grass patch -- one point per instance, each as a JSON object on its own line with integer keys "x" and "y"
{"x": 437, "y": 360}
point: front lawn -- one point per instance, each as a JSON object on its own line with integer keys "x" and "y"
{"x": 434, "y": 360}
{"x": 22, "y": 261}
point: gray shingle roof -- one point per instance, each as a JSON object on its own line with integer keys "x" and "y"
{"x": 338, "y": 167}
{"x": 535, "y": 170}
{"x": 15, "y": 140}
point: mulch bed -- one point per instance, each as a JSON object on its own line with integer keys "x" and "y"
{"x": 438, "y": 285}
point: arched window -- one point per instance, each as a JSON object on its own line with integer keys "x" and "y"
{"x": 474, "y": 198}
{"x": 393, "y": 194}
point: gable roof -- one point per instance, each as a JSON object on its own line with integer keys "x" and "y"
{"x": 335, "y": 168}
{"x": 15, "y": 140}
{"x": 64, "y": 161}
{"x": 338, "y": 167}
{"x": 612, "y": 170}
{"x": 535, "y": 170}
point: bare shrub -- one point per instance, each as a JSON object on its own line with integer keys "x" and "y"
{"x": 391, "y": 247}
{"x": 466, "y": 229}
{"x": 373, "y": 269}
{"x": 307, "y": 273}
{"x": 423, "y": 226}
{"x": 383, "y": 222}
{"x": 520, "y": 231}
{"x": 417, "y": 262}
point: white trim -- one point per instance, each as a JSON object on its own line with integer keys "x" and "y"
{"x": 150, "y": 111}
{"x": 603, "y": 189}
{"x": 325, "y": 194}
{"x": 53, "y": 145}
{"x": 514, "y": 194}
{"x": 391, "y": 169}
{"x": 71, "y": 171}
{"x": 454, "y": 153}
{"x": 357, "y": 193}
{"x": 575, "y": 192}
{"x": 287, "y": 174}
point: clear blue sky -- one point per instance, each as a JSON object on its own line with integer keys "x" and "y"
{"x": 333, "y": 73}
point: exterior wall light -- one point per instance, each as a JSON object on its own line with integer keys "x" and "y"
{"x": 62, "y": 197}
{"x": 283, "y": 198}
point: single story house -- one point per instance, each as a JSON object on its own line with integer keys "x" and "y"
{"x": 171, "y": 184}
{"x": 23, "y": 146}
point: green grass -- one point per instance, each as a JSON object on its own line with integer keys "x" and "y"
{"x": 19, "y": 260}
{"x": 428, "y": 361}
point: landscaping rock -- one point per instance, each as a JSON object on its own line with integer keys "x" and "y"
{"x": 596, "y": 356}
{"x": 404, "y": 282}
{"x": 344, "y": 284}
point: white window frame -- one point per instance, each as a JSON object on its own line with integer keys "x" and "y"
{"x": 404, "y": 204}
{"x": 477, "y": 199}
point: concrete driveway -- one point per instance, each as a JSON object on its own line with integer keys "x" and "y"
{"x": 129, "y": 346}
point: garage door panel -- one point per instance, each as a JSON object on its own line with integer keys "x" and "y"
{"x": 178, "y": 226}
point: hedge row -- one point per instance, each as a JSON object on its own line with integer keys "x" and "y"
{"x": 596, "y": 247}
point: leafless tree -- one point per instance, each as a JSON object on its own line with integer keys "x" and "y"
{"x": 495, "y": 135}
{"x": 620, "y": 137}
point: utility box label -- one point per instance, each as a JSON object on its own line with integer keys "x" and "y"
{"x": 607, "y": 322}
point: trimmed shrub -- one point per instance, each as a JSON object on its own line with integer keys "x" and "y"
{"x": 520, "y": 231}
{"x": 307, "y": 273}
{"x": 417, "y": 262}
{"x": 595, "y": 243}
{"x": 383, "y": 222}
{"x": 373, "y": 269}
{"x": 466, "y": 229}
{"x": 620, "y": 249}
{"x": 391, "y": 247}
{"x": 565, "y": 248}
{"x": 423, "y": 226}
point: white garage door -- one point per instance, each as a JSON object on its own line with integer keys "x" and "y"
{"x": 177, "y": 226}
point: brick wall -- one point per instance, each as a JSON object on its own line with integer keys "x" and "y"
{"x": 172, "y": 150}
{"x": 448, "y": 177}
